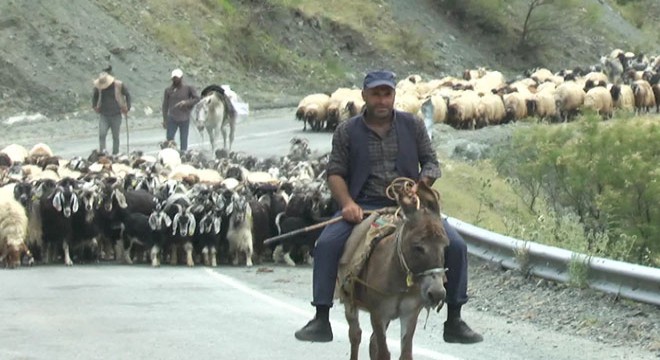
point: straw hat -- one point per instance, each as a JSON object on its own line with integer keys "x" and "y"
{"x": 104, "y": 81}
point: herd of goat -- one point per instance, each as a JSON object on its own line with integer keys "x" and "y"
{"x": 621, "y": 81}
{"x": 181, "y": 208}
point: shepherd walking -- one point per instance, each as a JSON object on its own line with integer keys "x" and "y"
{"x": 178, "y": 100}
{"x": 110, "y": 100}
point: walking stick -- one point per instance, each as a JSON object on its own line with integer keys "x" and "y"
{"x": 127, "y": 145}
{"x": 281, "y": 237}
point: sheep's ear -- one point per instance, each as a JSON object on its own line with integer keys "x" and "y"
{"x": 38, "y": 191}
{"x": 192, "y": 224}
{"x": 121, "y": 199}
{"x": 74, "y": 202}
{"x": 175, "y": 223}
{"x": 57, "y": 201}
{"x": 217, "y": 225}
{"x": 153, "y": 221}
{"x": 165, "y": 218}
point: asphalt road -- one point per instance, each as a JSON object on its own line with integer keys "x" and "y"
{"x": 109, "y": 311}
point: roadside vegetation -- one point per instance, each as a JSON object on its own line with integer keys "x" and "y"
{"x": 589, "y": 186}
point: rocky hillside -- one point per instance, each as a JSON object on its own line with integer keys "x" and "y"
{"x": 270, "y": 51}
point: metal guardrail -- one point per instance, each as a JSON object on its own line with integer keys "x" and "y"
{"x": 639, "y": 283}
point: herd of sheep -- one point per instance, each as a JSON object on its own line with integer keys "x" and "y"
{"x": 166, "y": 207}
{"x": 622, "y": 81}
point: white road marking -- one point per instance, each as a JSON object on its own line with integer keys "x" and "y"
{"x": 392, "y": 343}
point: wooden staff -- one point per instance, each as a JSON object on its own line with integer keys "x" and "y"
{"x": 281, "y": 237}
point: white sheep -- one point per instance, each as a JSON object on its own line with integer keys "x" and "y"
{"x": 439, "y": 108}
{"x": 541, "y": 75}
{"x": 515, "y": 105}
{"x": 542, "y": 104}
{"x": 169, "y": 158}
{"x": 13, "y": 231}
{"x": 16, "y": 153}
{"x": 490, "y": 110}
{"x": 209, "y": 176}
{"x": 569, "y": 97}
{"x": 623, "y": 97}
{"x": 473, "y": 74}
{"x": 408, "y": 103}
{"x": 462, "y": 111}
{"x": 312, "y": 109}
{"x": 599, "y": 99}
{"x": 489, "y": 81}
{"x": 40, "y": 150}
{"x": 644, "y": 97}
{"x": 351, "y": 105}
{"x": 596, "y": 78}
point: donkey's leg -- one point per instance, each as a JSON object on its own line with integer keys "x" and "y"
{"x": 354, "y": 330}
{"x": 232, "y": 128}
{"x": 408, "y": 322}
{"x": 211, "y": 132}
{"x": 378, "y": 342}
{"x": 224, "y": 137}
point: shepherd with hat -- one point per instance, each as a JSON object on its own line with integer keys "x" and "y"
{"x": 369, "y": 151}
{"x": 110, "y": 100}
{"x": 178, "y": 100}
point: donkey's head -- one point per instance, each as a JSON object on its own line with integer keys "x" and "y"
{"x": 421, "y": 242}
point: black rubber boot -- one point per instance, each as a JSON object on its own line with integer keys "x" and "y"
{"x": 318, "y": 329}
{"x": 457, "y": 331}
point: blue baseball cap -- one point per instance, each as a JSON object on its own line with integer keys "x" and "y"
{"x": 379, "y": 78}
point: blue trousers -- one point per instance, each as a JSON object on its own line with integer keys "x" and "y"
{"x": 330, "y": 246}
{"x": 183, "y": 127}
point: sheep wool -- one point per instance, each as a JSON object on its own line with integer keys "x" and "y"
{"x": 13, "y": 231}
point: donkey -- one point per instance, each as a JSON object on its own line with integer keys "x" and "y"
{"x": 404, "y": 272}
{"x": 215, "y": 110}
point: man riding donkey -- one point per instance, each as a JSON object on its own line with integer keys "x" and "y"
{"x": 110, "y": 100}
{"x": 369, "y": 151}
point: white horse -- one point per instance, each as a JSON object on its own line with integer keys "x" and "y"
{"x": 215, "y": 110}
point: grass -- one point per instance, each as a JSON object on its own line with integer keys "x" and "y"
{"x": 476, "y": 194}
{"x": 578, "y": 271}
{"x": 364, "y": 17}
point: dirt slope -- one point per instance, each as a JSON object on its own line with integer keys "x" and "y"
{"x": 50, "y": 51}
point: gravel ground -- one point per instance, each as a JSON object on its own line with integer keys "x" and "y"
{"x": 579, "y": 312}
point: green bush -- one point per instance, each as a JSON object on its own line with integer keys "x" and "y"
{"x": 605, "y": 173}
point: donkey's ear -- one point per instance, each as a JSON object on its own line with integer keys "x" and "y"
{"x": 408, "y": 203}
{"x": 428, "y": 197}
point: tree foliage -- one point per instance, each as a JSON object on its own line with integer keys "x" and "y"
{"x": 605, "y": 173}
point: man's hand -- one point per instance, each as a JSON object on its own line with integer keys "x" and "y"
{"x": 180, "y": 104}
{"x": 97, "y": 109}
{"x": 124, "y": 110}
{"x": 352, "y": 213}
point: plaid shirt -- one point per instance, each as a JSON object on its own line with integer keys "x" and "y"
{"x": 382, "y": 156}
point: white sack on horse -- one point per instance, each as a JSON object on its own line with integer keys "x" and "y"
{"x": 242, "y": 108}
